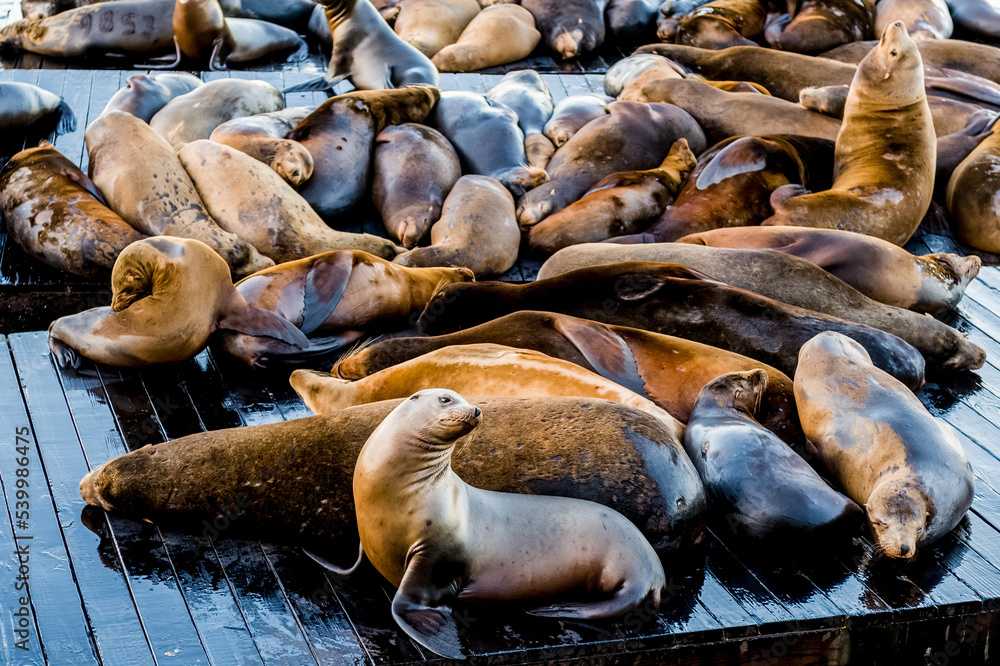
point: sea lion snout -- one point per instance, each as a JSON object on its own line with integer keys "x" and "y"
{"x": 89, "y": 491}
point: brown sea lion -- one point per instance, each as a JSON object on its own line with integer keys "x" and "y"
{"x": 757, "y": 484}
{"x": 57, "y": 215}
{"x": 487, "y": 138}
{"x": 367, "y": 52}
{"x": 340, "y": 135}
{"x": 981, "y": 16}
{"x": 619, "y": 204}
{"x": 196, "y": 114}
{"x": 440, "y": 540}
{"x": 569, "y": 27}
{"x": 971, "y": 195}
{"x": 820, "y": 25}
{"x": 415, "y": 168}
{"x": 950, "y": 54}
{"x": 250, "y": 200}
{"x": 431, "y": 25}
{"x": 790, "y": 280}
{"x": 262, "y": 137}
{"x": 484, "y": 367}
{"x": 203, "y": 33}
{"x": 573, "y": 447}
{"x": 732, "y": 184}
{"x": 129, "y": 27}
{"x": 723, "y": 23}
{"x": 525, "y": 93}
{"x": 144, "y": 95}
{"x": 933, "y": 283}
{"x": 881, "y": 445}
{"x": 342, "y": 295}
{"x": 669, "y": 299}
{"x": 954, "y": 148}
{"x": 724, "y": 114}
{"x": 477, "y": 230}
{"x": 924, "y": 19}
{"x": 572, "y": 113}
{"x": 22, "y": 105}
{"x": 497, "y": 35}
{"x": 670, "y": 14}
{"x": 885, "y": 156}
{"x": 631, "y": 136}
{"x": 144, "y": 182}
{"x": 168, "y": 296}
{"x": 782, "y": 73}
{"x": 669, "y": 371}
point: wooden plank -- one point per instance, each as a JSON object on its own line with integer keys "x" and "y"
{"x": 556, "y": 87}
{"x": 76, "y": 93}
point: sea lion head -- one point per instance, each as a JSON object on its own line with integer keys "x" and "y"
{"x": 739, "y": 390}
{"x": 37, "y": 9}
{"x": 893, "y": 72}
{"x": 152, "y": 264}
{"x": 90, "y": 489}
{"x": 293, "y": 162}
{"x": 898, "y": 514}
{"x": 437, "y": 418}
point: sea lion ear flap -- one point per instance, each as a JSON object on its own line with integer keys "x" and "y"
{"x": 325, "y": 286}
{"x": 741, "y": 156}
{"x": 264, "y": 323}
{"x": 432, "y": 627}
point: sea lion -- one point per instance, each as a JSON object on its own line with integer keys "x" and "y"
{"x": 723, "y": 23}
{"x": 732, "y": 183}
{"x": 790, "y": 280}
{"x": 340, "y": 136}
{"x": 631, "y": 136}
{"x": 933, "y": 283}
{"x": 970, "y": 196}
{"x": 924, "y": 19}
{"x": 497, "y": 35}
{"x": 57, "y": 215}
{"x": 482, "y": 367}
{"x": 486, "y": 136}
{"x": 820, "y": 25}
{"x": 168, "y": 296}
{"x": 196, "y": 114}
{"x": 669, "y": 371}
{"x": 144, "y": 95}
{"x": 885, "y": 156}
{"x": 129, "y": 27}
{"x": 431, "y": 25}
{"x": 202, "y": 32}
{"x": 636, "y": 71}
{"x": 981, "y": 16}
{"x": 569, "y": 27}
{"x": 44, "y": 8}
{"x": 143, "y": 181}
{"x": 619, "y": 204}
{"x": 525, "y": 93}
{"x": 250, "y": 200}
{"x": 670, "y": 14}
{"x": 262, "y": 137}
{"x": 724, "y": 114}
{"x": 760, "y": 487}
{"x": 415, "y": 168}
{"x": 367, "y": 52}
{"x": 572, "y": 447}
{"x": 782, "y": 73}
{"x": 669, "y": 299}
{"x": 440, "y": 540}
{"x": 342, "y": 295}
{"x": 881, "y": 445}
{"x": 22, "y": 105}
{"x": 572, "y": 113}
{"x": 631, "y": 20}
{"x": 954, "y": 148}
{"x": 477, "y": 230}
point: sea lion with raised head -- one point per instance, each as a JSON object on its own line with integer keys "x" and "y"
{"x": 340, "y": 295}
{"x": 498, "y": 35}
{"x": 880, "y": 444}
{"x": 572, "y": 113}
{"x": 933, "y": 283}
{"x": 144, "y": 182}
{"x": 885, "y": 156}
{"x": 57, "y": 215}
{"x": 820, "y": 25}
{"x": 669, "y": 299}
{"x": 262, "y": 137}
{"x": 631, "y": 136}
{"x": 723, "y": 23}
{"x": 431, "y": 25}
{"x": 415, "y": 169}
{"x": 340, "y": 136}
{"x": 144, "y": 94}
{"x": 168, "y": 296}
{"x": 250, "y": 200}
{"x": 619, "y": 204}
{"x": 569, "y": 27}
{"x": 669, "y": 371}
{"x": 477, "y": 230}
{"x": 23, "y": 105}
{"x": 759, "y": 486}
{"x": 439, "y": 540}
{"x": 526, "y": 94}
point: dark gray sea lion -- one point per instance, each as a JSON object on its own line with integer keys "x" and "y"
{"x": 569, "y": 27}
{"x": 22, "y": 105}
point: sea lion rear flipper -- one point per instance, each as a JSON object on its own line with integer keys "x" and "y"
{"x": 432, "y": 627}
{"x": 264, "y": 323}
{"x": 388, "y": 77}
{"x": 741, "y": 156}
{"x": 316, "y": 85}
{"x": 609, "y": 355}
{"x": 172, "y": 65}
{"x": 214, "y": 63}
{"x": 325, "y": 285}
{"x": 330, "y": 566}
{"x": 628, "y": 597}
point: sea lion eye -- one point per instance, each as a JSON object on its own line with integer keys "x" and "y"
{"x": 444, "y": 400}
{"x": 414, "y": 397}
{"x": 894, "y": 52}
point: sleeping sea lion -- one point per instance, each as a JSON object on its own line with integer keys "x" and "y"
{"x": 262, "y": 137}
{"x": 498, "y": 35}
{"x": 820, "y": 25}
{"x": 144, "y": 94}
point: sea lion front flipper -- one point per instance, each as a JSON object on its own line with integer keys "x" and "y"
{"x": 609, "y": 355}
{"x": 214, "y": 63}
{"x": 432, "y": 627}
{"x": 172, "y": 65}
{"x": 628, "y": 597}
{"x": 263, "y": 323}
{"x": 330, "y": 566}
{"x": 741, "y": 156}
{"x": 67, "y": 119}
{"x": 325, "y": 286}
{"x": 316, "y": 85}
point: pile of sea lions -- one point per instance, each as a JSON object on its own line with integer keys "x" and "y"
{"x": 725, "y": 329}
